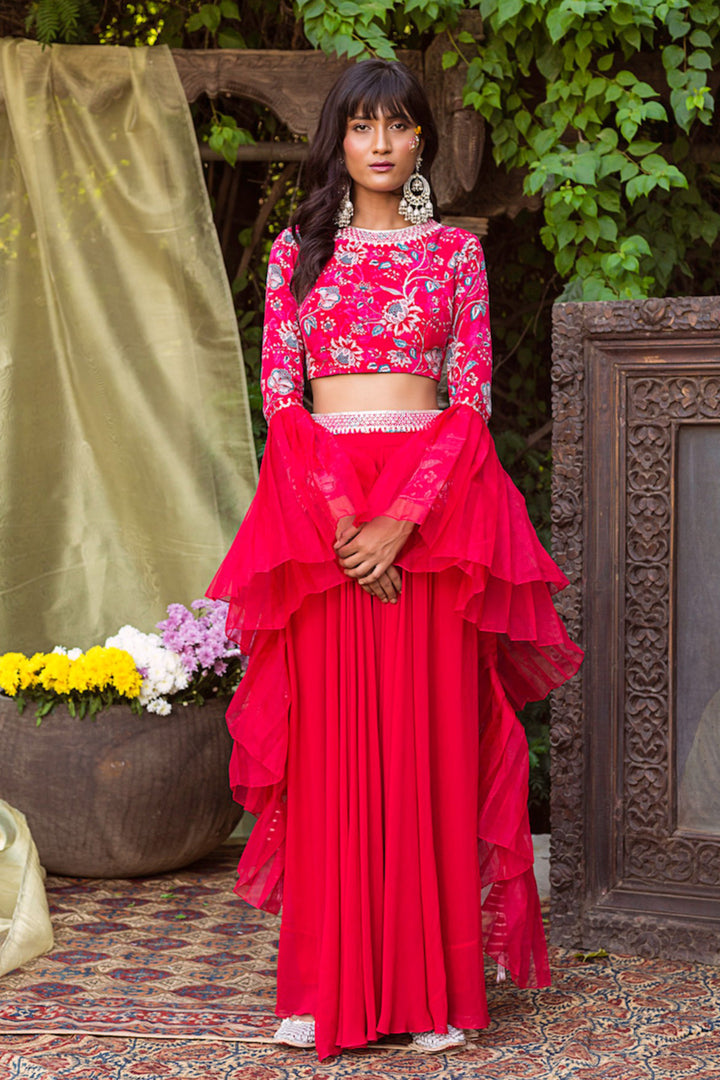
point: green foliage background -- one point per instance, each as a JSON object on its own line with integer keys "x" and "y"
{"x": 606, "y": 106}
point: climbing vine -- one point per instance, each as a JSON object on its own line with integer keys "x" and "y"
{"x": 608, "y": 108}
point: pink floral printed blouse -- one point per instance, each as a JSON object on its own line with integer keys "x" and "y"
{"x": 406, "y": 300}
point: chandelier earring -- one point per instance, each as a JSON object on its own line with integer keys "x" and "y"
{"x": 416, "y": 205}
{"x": 345, "y": 211}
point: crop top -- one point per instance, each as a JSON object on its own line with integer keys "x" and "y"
{"x": 406, "y": 300}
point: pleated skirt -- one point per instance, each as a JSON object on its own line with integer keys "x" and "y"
{"x": 379, "y": 743}
{"x": 382, "y": 923}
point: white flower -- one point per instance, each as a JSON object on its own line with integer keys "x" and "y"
{"x": 160, "y": 706}
{"x": 163, "y": 670}
{"x": 72, "y": 654}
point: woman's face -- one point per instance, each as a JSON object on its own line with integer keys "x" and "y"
{"x": 380, "y": 152}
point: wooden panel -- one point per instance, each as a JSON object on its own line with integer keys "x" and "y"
{"x": 629, "y": 378}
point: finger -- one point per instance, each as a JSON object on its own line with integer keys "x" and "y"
{"x": 371, "y": 590}
{"x": 392, "y": 587}
{"x": 395, "y": 577}
{"x": 371, "y": 573}
{"x": 346, "y": 548}
{"x": 346, "y": 536}
{"x": 379, "y": 591}
{"x": 359, "y": 570}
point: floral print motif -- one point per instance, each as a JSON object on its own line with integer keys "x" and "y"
{"x": 412, "y": 301}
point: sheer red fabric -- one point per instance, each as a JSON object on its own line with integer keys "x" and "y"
{"x": 378, "y": 745}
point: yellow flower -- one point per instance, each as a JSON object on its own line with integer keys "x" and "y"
{"x": 99, "y": 669}
{"x": 125, "y": 675}
{"x": 55, "y": 674}
{"x": 10, "y": 672}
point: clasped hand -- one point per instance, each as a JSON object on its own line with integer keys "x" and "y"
{"x": 367, "y": 553}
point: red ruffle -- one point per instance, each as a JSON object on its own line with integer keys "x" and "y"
{"x": 447, "y": 480}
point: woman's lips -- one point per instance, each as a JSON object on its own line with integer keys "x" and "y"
{"x": 384, "y": 166}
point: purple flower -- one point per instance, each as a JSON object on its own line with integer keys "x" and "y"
{"x": 198, "y": 636}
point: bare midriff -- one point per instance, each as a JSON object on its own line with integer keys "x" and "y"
{"x": 368, "y": 393}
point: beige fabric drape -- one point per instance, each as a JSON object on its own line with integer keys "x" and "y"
{"x": 25, "y": 928}
{"x": 126, "y": 457}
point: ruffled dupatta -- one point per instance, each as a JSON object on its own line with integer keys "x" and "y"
{"x": 446, "y": 479}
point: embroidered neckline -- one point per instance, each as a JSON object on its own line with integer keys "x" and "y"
{"x": 386, "y": 236}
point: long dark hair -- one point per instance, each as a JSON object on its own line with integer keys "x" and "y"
{"x": 368, "y": 88}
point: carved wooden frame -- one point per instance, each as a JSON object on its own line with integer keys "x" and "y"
{"x": 625, "y": 377}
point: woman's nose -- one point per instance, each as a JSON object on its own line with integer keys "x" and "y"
{"x": 382, "y": 141}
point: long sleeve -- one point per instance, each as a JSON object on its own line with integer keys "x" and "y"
{"x": 469, "y": 350}
{"x": 419, "y": 478}
{"x": 282, "y": 376}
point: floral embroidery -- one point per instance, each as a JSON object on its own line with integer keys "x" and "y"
{"x": 280, "y": 382}
{"x": 405, "y": 301}
{"x": 346, "y": 352}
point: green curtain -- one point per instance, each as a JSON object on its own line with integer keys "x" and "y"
{"x": 126, "y": 457}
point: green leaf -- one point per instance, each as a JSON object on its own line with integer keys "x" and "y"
{"x": 449, "y": 60}
{"x": 655, "y": 111}
{"x": 558, "y": 22}
{"x": 642, "y": 146}
{"x": 608, "y": 228}
{"x": 507, "y": 10}
{"x": 210, "y": 16}
{"x": 609, "y": 200}
{"x": 565, "y": 233}
{"x": 543, "y": 141}
{"x": 612, "y": 163}
{"x": 564, "y": 261}
{"x": 632, "y": 36}
{"x": 700, "y": 60}
{"x": 673, "y": 56}
{"x": 230, "y": 39}
{"x": 585, "y": 168}
{"x": 523, "y": 121}
{"x": 606, "y": 62}
{"x": 229, "y": 9}
{"x": 342, "y": 43}
{"x": 701, "y": 39}
{"x": 592, "y": 230}
{"x": 676, "y": 25}
{"x": 550, "y": 63}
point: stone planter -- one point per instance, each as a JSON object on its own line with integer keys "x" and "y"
{"x": 121, "y": 795}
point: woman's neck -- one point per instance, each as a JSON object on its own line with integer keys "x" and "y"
{"x": 377, "y": 210}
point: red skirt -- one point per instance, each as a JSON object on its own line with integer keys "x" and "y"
{"x": 377, "y": 743}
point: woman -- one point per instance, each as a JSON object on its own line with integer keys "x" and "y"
{"x": 395, "y": 604}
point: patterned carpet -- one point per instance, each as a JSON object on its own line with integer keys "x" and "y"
{"x": 173, "y": 977}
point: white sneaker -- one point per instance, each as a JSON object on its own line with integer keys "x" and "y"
{"x": 300, "y": 1033}
{"x": 432, "y": 1042}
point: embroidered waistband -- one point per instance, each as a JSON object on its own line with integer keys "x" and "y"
{"x": 388, "y": 420}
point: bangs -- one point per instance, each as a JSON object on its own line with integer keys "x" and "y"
{"x": 382, "y": 95}
{"x": 372, "y": 109}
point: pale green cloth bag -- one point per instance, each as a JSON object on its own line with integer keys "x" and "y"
{"x": 25, "y": 930}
